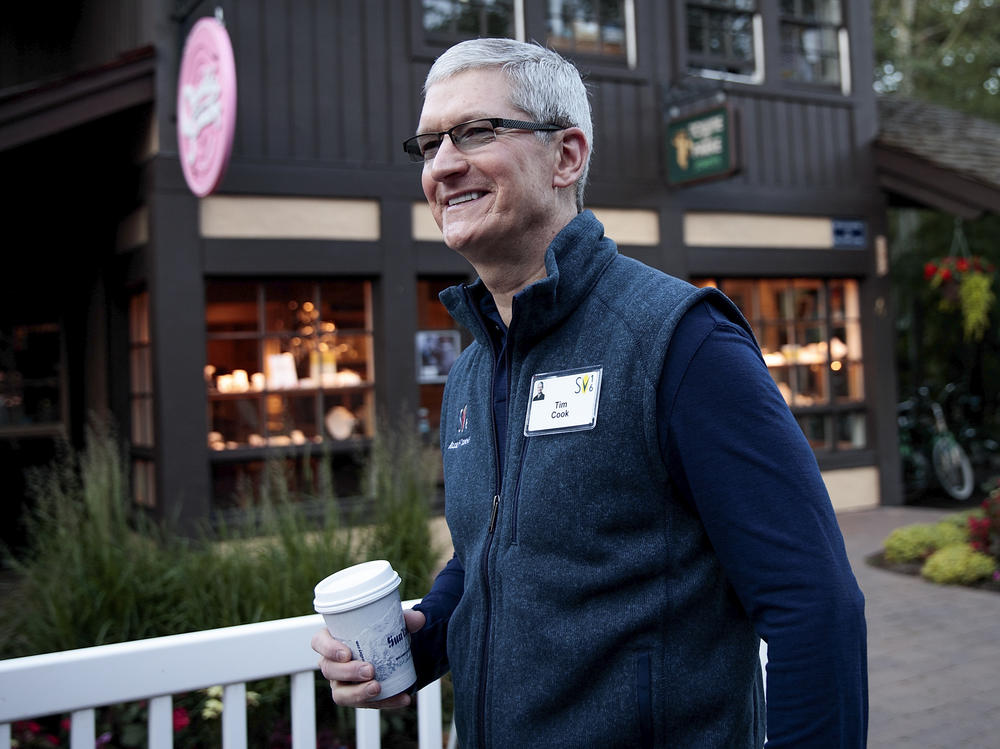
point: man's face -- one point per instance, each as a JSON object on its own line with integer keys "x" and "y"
{"x": 490, "y": 199}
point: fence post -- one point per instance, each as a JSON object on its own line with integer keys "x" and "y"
{"x": 160, "y": 723}
{"x": 369, "y": 729}
{"x": 234, "y": 716}
{"x": 303, "y": 711}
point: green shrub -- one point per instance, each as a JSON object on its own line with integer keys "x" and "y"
{"x": 958, "y": 564}
{"x": 914, "y": 543}
{"x": 402, "y": 483}
{"x": 98, "y": 571}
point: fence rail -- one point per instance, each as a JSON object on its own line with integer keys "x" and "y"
{"x": 80, "y": 681}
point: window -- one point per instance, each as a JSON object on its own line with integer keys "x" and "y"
{"x": 32, "y": 391}
{"x": 591, "y": 27}
{"x": 809, "y": 331}
{"x": 289, "y": 363}
{"x": 140, "y": 371}
{"x": 812, "y": 38}
{"x": 449, "y": 21}
{"x": 724, "y": 39}
{"x": 601, "y": 31}
{"x": 141, "y": 399}
{"x": 435, "y": 328}
{"x": 290, "y": 380}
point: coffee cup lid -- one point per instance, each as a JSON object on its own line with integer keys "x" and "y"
{"x": 354, "y": 587}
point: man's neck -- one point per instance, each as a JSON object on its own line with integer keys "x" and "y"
{"x": 504, "y": 282}
{"x": 504, "y": 278}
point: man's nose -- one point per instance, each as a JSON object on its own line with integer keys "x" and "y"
{"x": 447, "y": 160}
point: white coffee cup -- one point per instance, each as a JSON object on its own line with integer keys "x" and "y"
{"x": 361, "y": 608}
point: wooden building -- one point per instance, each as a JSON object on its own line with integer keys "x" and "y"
{"x": 281, "y": 314}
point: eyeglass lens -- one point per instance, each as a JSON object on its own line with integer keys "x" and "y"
{"x": 464, "y": 136}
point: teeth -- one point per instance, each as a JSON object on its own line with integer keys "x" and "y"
{"x": 465, "y": 198}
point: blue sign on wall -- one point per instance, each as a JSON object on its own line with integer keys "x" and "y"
{"x": 849, "y": 234}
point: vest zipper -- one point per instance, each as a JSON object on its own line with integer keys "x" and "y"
{"x": 493, "y": 517}
{"x": 491, "y": 528}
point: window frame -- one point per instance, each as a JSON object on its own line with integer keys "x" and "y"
{"x": 843, "y": 49}
{"x": 58, "y": 427}
{"x": 698, "y": 65}
{"x": 530, "y": 22}
{"x": 319, "y": 392}
{"x": 831, "y": 453}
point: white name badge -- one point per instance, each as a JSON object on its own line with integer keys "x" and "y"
{"x": 563, "y": 401}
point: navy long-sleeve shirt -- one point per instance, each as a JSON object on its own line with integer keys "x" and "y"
{"x": 737, "y": 455}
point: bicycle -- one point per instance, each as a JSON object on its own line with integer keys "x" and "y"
{"x": 929, "y": 447}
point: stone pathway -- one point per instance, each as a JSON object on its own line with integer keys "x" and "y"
{"x": 933, "y": 651}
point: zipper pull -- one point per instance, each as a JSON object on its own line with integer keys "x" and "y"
{"x": 493, "y": 517}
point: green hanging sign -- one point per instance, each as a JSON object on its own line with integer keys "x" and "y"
{"x": 701, "y": 146}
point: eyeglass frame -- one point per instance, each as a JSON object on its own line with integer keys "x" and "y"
{"x": 417, "y": 155}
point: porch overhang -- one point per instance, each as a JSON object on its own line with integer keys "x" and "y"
{"x": 40, "y": 109}
{"x": 938, "y": 158}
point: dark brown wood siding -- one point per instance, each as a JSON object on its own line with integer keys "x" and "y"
{"x": 326, "y": 84}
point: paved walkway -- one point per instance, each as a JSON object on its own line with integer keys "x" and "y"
{"x": 933, "y": 651}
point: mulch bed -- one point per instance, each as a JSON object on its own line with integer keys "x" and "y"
{"x": 913, "y": 569}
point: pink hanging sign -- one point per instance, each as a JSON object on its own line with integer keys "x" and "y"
{"x": 206, "y": 106}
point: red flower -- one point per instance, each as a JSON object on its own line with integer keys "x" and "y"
{"x": 962, "y": 264}
{"x": 929, "y": 270}
{"x": 181, "y": 718}
{"x": 945, "y": 274}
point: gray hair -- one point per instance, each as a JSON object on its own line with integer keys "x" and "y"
{"x": 543, "y": 84}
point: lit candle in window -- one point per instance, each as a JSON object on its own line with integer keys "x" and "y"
{"x": 241, "y": 383}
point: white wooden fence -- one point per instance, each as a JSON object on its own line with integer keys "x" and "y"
{"x": 79, "y": 681}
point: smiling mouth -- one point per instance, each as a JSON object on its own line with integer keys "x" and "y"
{"x": 464, "y": 198}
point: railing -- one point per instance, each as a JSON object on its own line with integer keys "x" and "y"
{"x": 79, "y": 681}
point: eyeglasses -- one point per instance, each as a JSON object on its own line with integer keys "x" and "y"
{"x": 466, "y": 136}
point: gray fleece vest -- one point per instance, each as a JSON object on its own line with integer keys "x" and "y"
{"x": 594, "y": 612}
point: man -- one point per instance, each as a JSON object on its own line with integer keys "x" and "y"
{"x": 618, "y": 554}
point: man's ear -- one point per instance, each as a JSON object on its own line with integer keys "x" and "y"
{"x": 573, "y": 154}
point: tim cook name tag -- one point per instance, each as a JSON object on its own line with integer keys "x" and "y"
{"x": 563, "y": 401}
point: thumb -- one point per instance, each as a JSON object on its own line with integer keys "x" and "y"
{"x": 414, "y": 620}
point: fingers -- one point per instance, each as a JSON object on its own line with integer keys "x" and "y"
{"x": 366, "y": 695}
{"x": 352, "y": 682}
{"x": 329, "y": 648}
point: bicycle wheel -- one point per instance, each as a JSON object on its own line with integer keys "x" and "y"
{"x": 953, "y": 468}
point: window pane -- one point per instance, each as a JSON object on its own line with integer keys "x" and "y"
{"x": 820, "y": 11}
{"x": 851, "y": 431}
{"x": 290, "y": 307}
{"x": 271, "y": 387}
{"x": 141, "y": 389}
{"x": 226, "y": 357}
{"x": 721, "y": 36}
{"x": 233, "y": 422}
{"x": 348, "y": 414}
{"x": 347, "y": 304}
{"x": 30, "y": 374}
{"x": 465, "y": 19}
{"x": 810, "y": 47}
{"x": 809, "y": 332}
{"x": 230, "y": 307}
{"x": 143, "y": 485}
{"x": 586, "y": 26}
